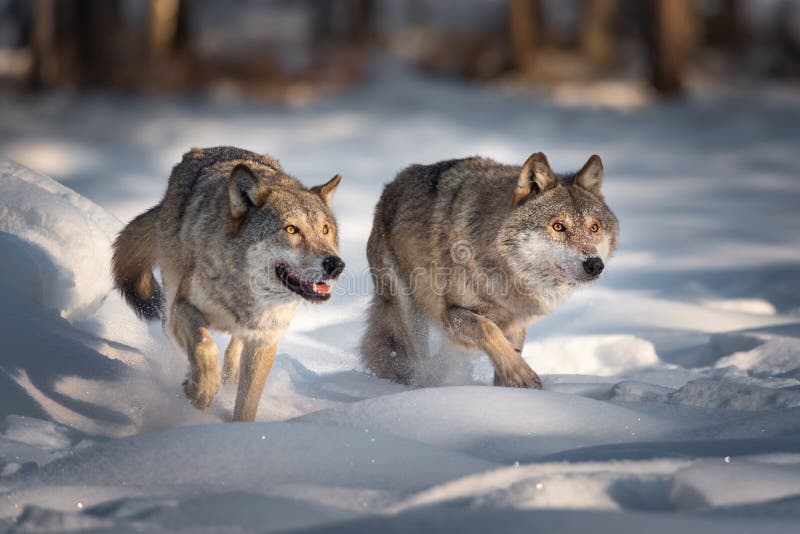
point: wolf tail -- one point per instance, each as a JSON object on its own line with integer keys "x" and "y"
{"x": 132, "y": 265}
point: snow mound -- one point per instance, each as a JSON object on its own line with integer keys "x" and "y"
{"x": 498, "y": 424}
{"x": 775, "y": 356}
{"x": 37, "y": 433}
{"x": 733, "y": 395}
{"x": 72, "y": 234}
{"x": 292, "y": 460}
{"x": 752, "y": 306}
{"x": 604, "y": 355}
{"x": 731, "y": 481}
{"x": 447, "y": 518}
{"x": 73, "y": 352}
{"x": 587, "y": 485}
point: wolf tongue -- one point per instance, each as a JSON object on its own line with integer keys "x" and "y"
{"x": 322, "y": 288}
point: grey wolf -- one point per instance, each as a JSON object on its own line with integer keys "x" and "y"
{"x": 478, "y": 250}
{"x": 240, "y": 244}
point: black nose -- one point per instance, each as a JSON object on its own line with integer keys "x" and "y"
{"x": 333, "y": 266}
{"x": 593, "y": 266}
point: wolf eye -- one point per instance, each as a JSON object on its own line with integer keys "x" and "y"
{"x": 292, "y": 229}
{"x": 594, "y": 227}
{"x": 558, "y": 227}
{"x": 326, "y": 229}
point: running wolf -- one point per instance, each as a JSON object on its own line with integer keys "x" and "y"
{"x": 239, "y": 243}
{"x": 477, "y": 250}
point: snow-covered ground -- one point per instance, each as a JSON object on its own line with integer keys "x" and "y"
{"x": 672, "y": 386}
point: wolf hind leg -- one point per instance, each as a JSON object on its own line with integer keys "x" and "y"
{"x": 387, "y": 348}
{"x": 187, "y": 327}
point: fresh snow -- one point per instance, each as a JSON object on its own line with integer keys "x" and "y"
{"x": 671, "y": 396}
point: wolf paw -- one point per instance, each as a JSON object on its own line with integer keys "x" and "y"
{"x": 200, "y": 390}
{"x": 519, "y": 378}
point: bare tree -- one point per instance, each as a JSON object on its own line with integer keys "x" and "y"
{"x": 598, "y": 41}
{"x": 674, "y": 30}
{"x": 162, "y": 25}
{"x": 44, "y": 70}
{"x": 76, "y": 42}
{"x": 524, "y": 29}
{"x": 167, "y": 29}
{"x": 345, "y": 22}
{"x": 360, "y": 16}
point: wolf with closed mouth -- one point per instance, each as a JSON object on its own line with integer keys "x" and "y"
{"x": 240, "y": 244}
{"x": 477, "y": 250}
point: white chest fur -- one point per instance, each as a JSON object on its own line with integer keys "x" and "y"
{"x": 271, "y": 324}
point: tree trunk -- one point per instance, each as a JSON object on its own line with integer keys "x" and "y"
{"x": 674, "y": 31}
{"x": 75, "y": 42}
{"x": 598, "y": 40}
{"x": 359, "y": 15}
{"x": 524, "y": 25}
{"x": 162, "y": 26}
{"x": 100, "y": 54}
{"x": 44, "y": 71}
{"x": 167, "y": 27}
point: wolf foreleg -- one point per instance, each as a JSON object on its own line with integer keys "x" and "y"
{"x": 256, "y": 362}
{"x": 233, "y": 355}
{"x": 471, "y": 329}
{"x": 517, "y": 338}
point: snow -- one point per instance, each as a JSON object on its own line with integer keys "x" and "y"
{"x": 716, "y": 484}
{"x": 72, "y": 234}
{"x": 685, "y": 354}
{"x": 514, "y": 426}
{"x": 610, "y": 354}
{"x": 282, "y": 460}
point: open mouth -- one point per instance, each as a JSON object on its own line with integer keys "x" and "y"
{"x": 308, "y": 289}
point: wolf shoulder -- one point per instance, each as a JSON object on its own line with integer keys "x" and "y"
{"x": 448, "y": 183}
{"x": 213, "y": 166}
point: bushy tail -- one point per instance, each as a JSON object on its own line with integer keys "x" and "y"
{"x": 132, "y": 265}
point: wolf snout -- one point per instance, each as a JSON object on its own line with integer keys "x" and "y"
{"x": 333, "y": 266}
{"x": 593, "y": 266}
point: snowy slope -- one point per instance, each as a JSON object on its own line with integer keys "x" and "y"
{"x": 672, "y": 387}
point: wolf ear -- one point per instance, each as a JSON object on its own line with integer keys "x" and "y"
{"x": 326, "y": 190}
{"x": 536, "y": 176}
{"x": 244, "y": 190}
{"x": 590, "y": 177}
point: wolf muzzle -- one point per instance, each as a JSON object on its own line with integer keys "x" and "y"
{"x": 593, "y": 266}
{"x": 333, "y": 266}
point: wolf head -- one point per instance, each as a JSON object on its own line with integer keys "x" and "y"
{"x": 559, "y": 231}
{"x": 289, "y": 233}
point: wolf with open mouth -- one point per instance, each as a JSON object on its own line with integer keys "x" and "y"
{"x": 240, "y": 244}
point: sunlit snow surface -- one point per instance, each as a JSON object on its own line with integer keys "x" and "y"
{"x": 672, "y": 386}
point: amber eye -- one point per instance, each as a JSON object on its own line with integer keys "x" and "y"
{"x": 326, "y": 229}
{"x": 558, "y": 227}
{"x": 594, "y": 227}
{"x": 292, "y": 229}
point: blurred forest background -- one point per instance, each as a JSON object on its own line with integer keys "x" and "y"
{"x": 292, "y": 50}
